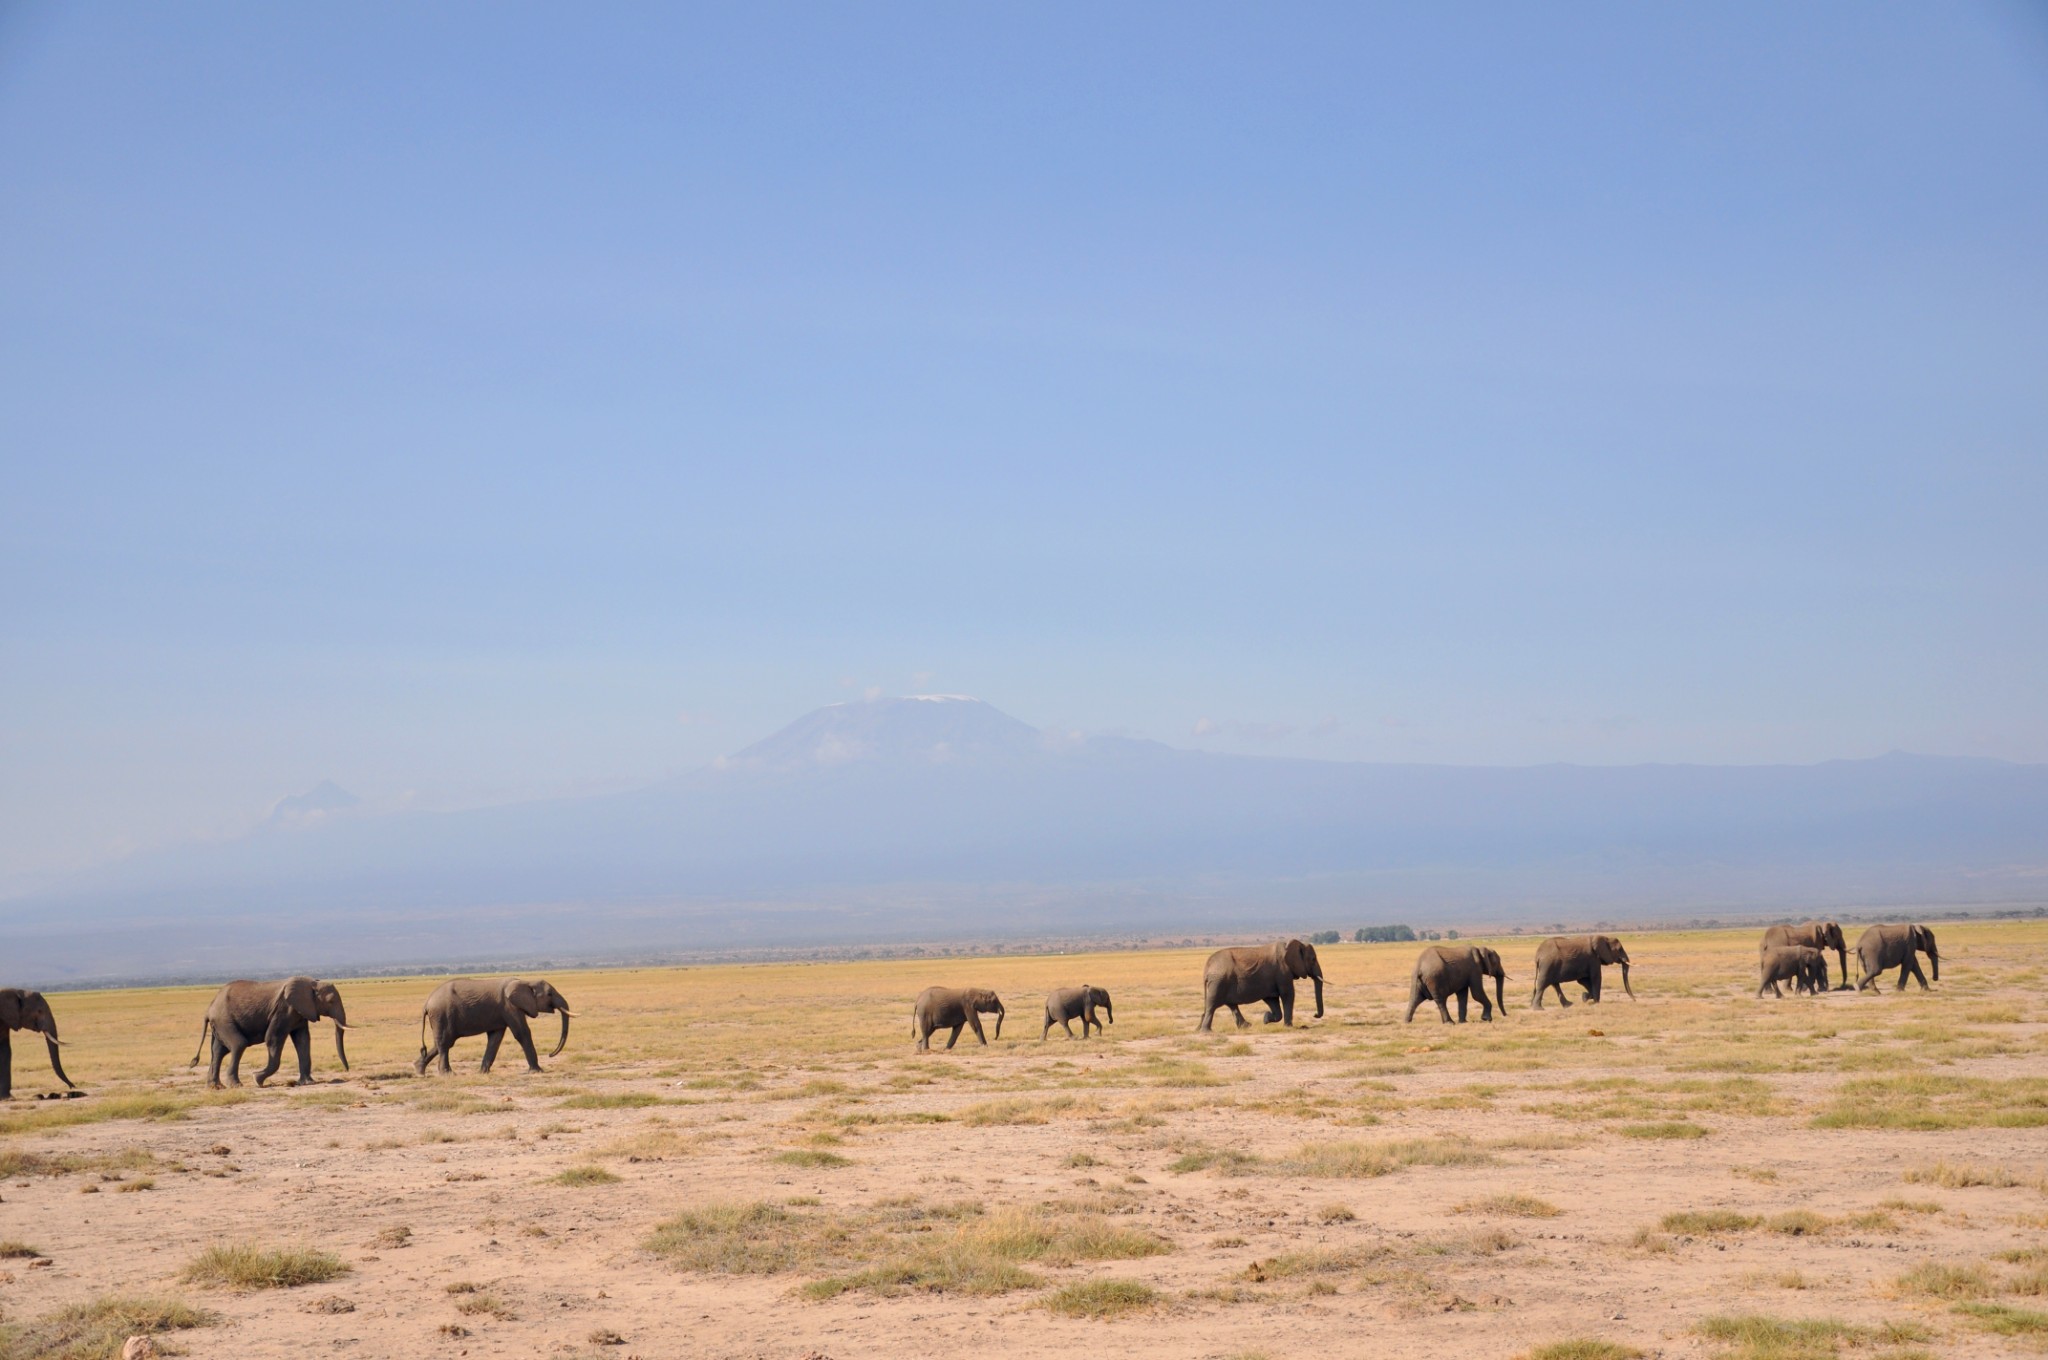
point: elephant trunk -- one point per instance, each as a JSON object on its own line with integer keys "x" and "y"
{"x": 999, "y": 1022}
{"x": 1500, "y": 994}
{"x": 51, "y": 1041}
{"x": 1934, "y": 959}
{"x": 1843, "y": 955}
{"x": 1624, "y": 981}
{"x": 562, "y": 1042}
{"x": 340, "y": 1048}
{"x": 1318, "y": 979}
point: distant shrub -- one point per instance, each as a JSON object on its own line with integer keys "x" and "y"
{"x": 1325, "y": 937}
{"x": 1383, "y": 934}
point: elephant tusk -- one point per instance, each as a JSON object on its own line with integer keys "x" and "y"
{"x": 564, "y": 1010}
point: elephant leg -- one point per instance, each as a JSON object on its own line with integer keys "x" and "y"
{"x": 974, "y": 1019}
{"x": 235, "y": 1061}
{"x": 1415, "y": 995}
{"x": 218, "y": 1051}
{"x": 1463, "y": 993}
{"x": 1485, "y": 1006}
{"x": 6, "y": 1066}
{"x": 1067, "y": 1027}
{"x": 1562, "y": 999}
{"x": 1443, "y": 1010}
{"x": 302, "y": 1043}
{"x": 924, "y": 1036}
{"x": 1274, "y": 1014}
{"x": 954, "y": 1037}
{"x": 447, "y": 1041}
{"x": 1208, "y": 1015}
{"x": 273, "y": 1058}
{"x": 491, "y": 1042}
{"x": 1592, "y": 986}
{"x": 1870, "y": 977}
{"x": 1242, "y": 1023}
{"x": 524, "y": 1036}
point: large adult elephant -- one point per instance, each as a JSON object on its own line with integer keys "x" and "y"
{"x": 26, "y": 1010}
{"x": 1805, "y": 967}
{"x": 1887, "y": 947}
{"x": 1447, "y": 970}
{"x": 1068, "y": 1004}
{"x": 245, "y": 1013}
{"x": 461, "y": 1008}
{"x": 1821, "y": 935}
{"x": 1265, "y": 973}
{"x": 1577, "y": 958}
{"x": 953, "y": 1008}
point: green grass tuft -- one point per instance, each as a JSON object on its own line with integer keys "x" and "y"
{"x": 97, "y": 1330}
{"x": 585, "y": 1175}
{"x": 241, "y": 1266}
{"x": 1101, "y": 1299}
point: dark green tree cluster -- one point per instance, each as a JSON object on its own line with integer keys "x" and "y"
{"x": 1383, "y": 934}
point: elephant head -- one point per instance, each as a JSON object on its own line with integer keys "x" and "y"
{"x": 1923, "y": 940}
{"x": 327, "y": 1001}
{"x": 1300, "y": 962}
{"x": 539, "y": 997}
{"x": 1100, "y": 998}
{"x": 1489, "y": 964}
{"x": 1607, "y": 949}
{"x": 986, "y": 1002}
{"x": 1831, "y": 936}
{"x": 28, "y": 1010}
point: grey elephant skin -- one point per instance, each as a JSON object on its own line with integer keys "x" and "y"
{"x": 26, "y": 1010}
{"x": 1821, "y": 935}
{"x": 1261, "y": 974}
{"x": 1577, "y": 958}
{"x": 1883, "y": 948}
{"x": 462, "y": 1008}
{"x": 953, "y": 1008}
{"x": 244, "y": 1013}
{"x": 1084, "y": 1003}
{"x": 1800, "y": 964}
{"x": 1443, "y": 971}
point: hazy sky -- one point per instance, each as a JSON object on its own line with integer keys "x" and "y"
{"x": 487, "y": 401}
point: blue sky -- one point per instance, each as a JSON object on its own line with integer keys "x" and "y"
{"x": 483, "y": 402}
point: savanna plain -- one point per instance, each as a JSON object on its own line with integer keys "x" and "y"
{"x": 751, "y": 1161}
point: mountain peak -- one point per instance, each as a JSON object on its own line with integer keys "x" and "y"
{"x": 300, "y": 809}
{"x": 925, "y": 729}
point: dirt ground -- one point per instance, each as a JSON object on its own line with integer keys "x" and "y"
{"x": 751, "y": 1161}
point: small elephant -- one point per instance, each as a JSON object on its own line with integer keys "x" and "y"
{"x": 1444, "y": 971}
{"x": 26, "y": 1010}
{"x": 1577, "y": 958}
{"x": 938, "y": 1008}
{"x": 243, "y": 1013}
{"x": 1084, "y": 1002}
{"x": 463, "y": 1007}
{"x": 1886, "y": 947}
{"x": 1264, "y": 973}
{"x": 1804, "y": 966}
{"x": 1821, "y": 935}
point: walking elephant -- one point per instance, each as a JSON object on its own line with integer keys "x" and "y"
{"x": 1447, "y": 970}
{"x": 1264, "y": 973}
{"x": 1804, "y": 966}
{"x": 461, "y": 1008}
{"x": 1084, "y": 1003}
{"x": 953, "y": 1008}
{"x": 1821, "y": 935}
{"x": 1887, "y": 947}
{"x": 26, "y": 1010}
{"x": 245, "y": 1013}
{"x": 1577, "y": 958}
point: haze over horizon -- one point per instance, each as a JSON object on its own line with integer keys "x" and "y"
{"x": 472, "y": 407}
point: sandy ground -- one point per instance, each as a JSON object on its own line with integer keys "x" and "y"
{"x": 1275, "y": 1257}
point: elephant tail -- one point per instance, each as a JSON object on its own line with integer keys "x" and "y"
{"x": 204, "y": 1025}
{"x": 423, "y": 1035}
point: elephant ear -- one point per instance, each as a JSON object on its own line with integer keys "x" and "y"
{"x": 1295, "y": 957}
{"x": 520, "y": 993}
{"x": 296, "y": 996}
{"x": 11, "y": 1002}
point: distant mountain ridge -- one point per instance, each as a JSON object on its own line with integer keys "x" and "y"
{"x": 940, "y": 815}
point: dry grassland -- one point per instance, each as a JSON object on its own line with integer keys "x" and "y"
{"x": 750, "y": 1161}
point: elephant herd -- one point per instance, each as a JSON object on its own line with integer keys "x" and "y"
{"x": 243, "y": 1014}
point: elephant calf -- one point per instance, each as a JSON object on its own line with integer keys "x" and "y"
{"x": 1444, "y": 971}
{"x": 1805, "y": 967}
{"x": 1886, "y": 947}
{"x": 243, "y": 1013}
{"x": 26, "y": 1010}
{"x": 938, "y": 1008}
{"x": 463, "y": 1007}
{"x": 1068, "y": 1003}
{"x": 1821, "y": 935}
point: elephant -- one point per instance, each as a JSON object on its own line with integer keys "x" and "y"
{"x": 1884, "y": 947}
{"x": 1443, "y": 971}
{"x": 1821, "y": 935}
{"x": 243, "y": 1013}
{"x": 1062, "y": 1006}
{"x": 1240, "y": 977}
{"x": 27, "y": 1010}
{"x": 463, "y": 1007}
{"x": 1800, "y": 964}
{"x": 1577, "y": 958}
{"x": 938, "y": 1008}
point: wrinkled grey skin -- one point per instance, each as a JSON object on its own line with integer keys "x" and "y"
{"x": 1084, "y": 1003}
{"x": 463, "y": 1007}
{"x": 245, "y": 1013}
{"x": 1263, "y": 973}
{"x": 1447, "y": 970}
{"x": 1886, "y": 947}
{"x": 1821, "y": 935}
{"x": 1800, "y": 964}
{"x": 938, "y": 1008}
{"x": 26, "y": 1010}
{"x": 1577, "y": 958}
